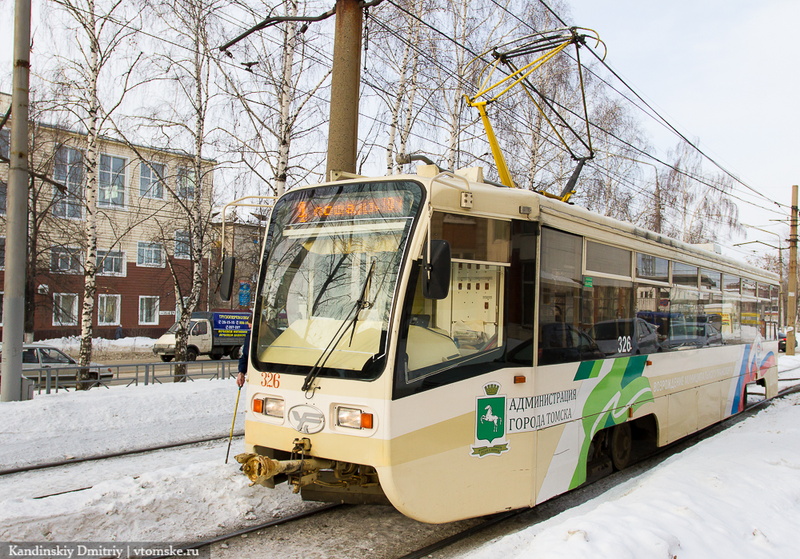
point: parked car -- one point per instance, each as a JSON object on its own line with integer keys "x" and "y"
{"x": 560, "y": 342}
{"x": 693, "y": 335}
{"x": 37, "y": 358}
{"x": 631, "y": 336}
{"x": 782, "y": 341}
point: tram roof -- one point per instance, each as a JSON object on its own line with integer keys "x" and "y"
{"x": 500, "y": 202}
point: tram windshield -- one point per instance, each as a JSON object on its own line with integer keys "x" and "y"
{"x": 329, "y": 277}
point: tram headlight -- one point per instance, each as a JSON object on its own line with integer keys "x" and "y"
{"x": 353, "y": 418}
{"x": 272, "y": 407}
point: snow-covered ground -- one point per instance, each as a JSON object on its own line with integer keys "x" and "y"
{"x": 173, "y": 495}
{"x": 736, "y": 494}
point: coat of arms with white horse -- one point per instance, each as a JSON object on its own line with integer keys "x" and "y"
{"x": 490, "y": 415}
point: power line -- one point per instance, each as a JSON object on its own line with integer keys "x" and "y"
{"x": 664, "y": 120}
{"x": 654, "y": 115}
{"x": 640, "y": 151}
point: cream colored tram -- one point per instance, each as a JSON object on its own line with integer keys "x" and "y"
{"x": 458, "y": 349}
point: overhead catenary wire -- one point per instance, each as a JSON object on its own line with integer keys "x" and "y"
{"x": 637, "y": 149}
{"x": 319, "y": 56}
{"x": 653, "y": 112}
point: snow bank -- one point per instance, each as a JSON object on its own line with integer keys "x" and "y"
{"x": 53, "y": 427}
{"x": 734, "y": 495}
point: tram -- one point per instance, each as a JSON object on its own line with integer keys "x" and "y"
{"x": 457, "y": 349}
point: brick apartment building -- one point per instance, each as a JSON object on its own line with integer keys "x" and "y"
{"x": 140, "y": 226}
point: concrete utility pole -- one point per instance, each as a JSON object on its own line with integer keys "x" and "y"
{"x": 791, "y": 312}
{"x": 345, "y": 82}
{"x": 16, "y": 211}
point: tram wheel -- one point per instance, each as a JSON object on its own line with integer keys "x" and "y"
{"x": 621, "y": 445}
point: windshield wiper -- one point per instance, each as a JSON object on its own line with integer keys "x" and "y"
{"x": 363, "y": 301}
{"x": 360, "y": 304}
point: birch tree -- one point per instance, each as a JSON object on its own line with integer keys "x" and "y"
{"x": 99, "y": 30}
{"x": 269, "y": 121}
{"x": 402, "y": 102}
{"x": 188, "y": 76}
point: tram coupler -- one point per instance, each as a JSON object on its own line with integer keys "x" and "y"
{"x": 260, "y": 469}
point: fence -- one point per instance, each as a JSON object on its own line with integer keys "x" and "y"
{"x": 46, "y": 380}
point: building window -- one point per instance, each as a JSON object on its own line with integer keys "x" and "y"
{"x": 150, "y": 254}
{"x": 68, "y": 171}
{"x": 151, "y": 183}
{"x": 65, "y": 260}
{"x": 2, "y": 253}
{"x": 5, "y": 143}
{"x": 182, "y": 246}
{"x": 110, "y": 263}
{"x": 108, "y": 309}
{"x": 3, "y": 197}
{"x": 1, "y": 307}
{"x": 111, "y": 193}
{"x": 186, "y": 184}
{"x": 65, "y": 309}
{"x": 148, "y": 309}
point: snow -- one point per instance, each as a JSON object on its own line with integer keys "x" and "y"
{"x": 173, "y": 495}
{"x": 72, "y": 344}
{"x": 735, "y": 494}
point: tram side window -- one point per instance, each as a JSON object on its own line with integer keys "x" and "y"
{"x": 612, "y": 319}
{"x": 731, "y": 309}
{"x": 750, "y": 318}
{"x": 684, "y": 274}
{"x": 709, "y": 307}
{"x": 653, "y": 307}
{"x": 560, "y": 337}
{"x": 610, "y": 307}
{"x": 467, "y": 326}
{"x": 458, "y": 329}
{"x": 709, "y": 279}
{"x": 649, "y": 267}
{"x": 772, "y": 313}
{"x": 607, "y": 259}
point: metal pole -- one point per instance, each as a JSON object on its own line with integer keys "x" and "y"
{"x": 233, "y": 424}
{"x": 345, "y": 82}
{"x": 791, "y": 312}
{"x": 16, "y": 211}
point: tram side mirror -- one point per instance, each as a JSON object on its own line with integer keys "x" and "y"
{"x": 436, "y": 271}
{"x": 226, "y": 279}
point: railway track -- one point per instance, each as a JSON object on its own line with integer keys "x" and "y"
{"x": 250, "y": 529}
{"x": 98, "y": 457}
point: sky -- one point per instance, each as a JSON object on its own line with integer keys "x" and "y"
{"x": 736, "y": 494}
{"x": 721, "y": 71}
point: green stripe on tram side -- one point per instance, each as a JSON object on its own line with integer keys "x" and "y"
{"x": 588, "y": 369}
{"x": 622, "y": 387}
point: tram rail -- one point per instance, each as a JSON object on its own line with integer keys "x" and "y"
{"x": 250, "y": 529}
{"x": 98, "y": 457}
